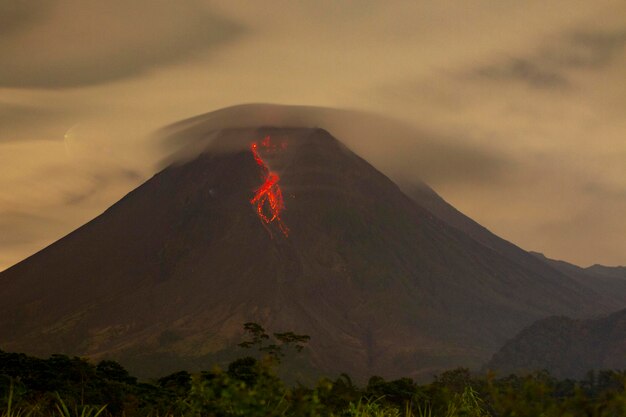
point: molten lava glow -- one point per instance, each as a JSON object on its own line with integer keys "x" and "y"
{"x": 268, "y": 198}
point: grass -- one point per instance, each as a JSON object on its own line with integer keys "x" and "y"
{"x": 61, "y": 409}
{"x": 11, "y": 411}
{"x": 84, "y": 410}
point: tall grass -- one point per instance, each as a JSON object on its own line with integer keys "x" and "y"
{"x": 465, "y": 404}
{"x": 11, "y": 411}
{"x": 373, "y": 408}
{"x": 77, "y": 411}
{"x": 61, "y": 409}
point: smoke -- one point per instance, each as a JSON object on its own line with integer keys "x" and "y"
{"x": 402, "y": 152}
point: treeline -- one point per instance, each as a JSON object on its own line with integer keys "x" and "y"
{"x": 250, "y": 387}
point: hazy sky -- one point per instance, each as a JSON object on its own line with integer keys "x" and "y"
{"x": 525, "y": 102}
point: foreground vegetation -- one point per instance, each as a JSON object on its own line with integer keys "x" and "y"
{"x": 73, "y": 387}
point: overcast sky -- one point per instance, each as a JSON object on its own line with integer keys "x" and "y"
{"x": 524, "y": 101}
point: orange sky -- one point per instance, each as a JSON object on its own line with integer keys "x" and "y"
{"x": 523, "y": 101}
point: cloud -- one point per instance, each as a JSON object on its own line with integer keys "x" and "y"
{"x": 17, "y": 16}
{"x": 414, "y": 153}
{"x": 21, "y": 227}
{"x": 604, "y": 237}
{"x": 551, "y": 66}
{"x": 603, "y": 191}
{"x": 77, "y": 42}
{"x": 46, "y": 194}
{"x": 17, "y": 116}
{"x": 590, "y": 49}
{"x": 98, "y": 182}
{"x": 527, "y": 72}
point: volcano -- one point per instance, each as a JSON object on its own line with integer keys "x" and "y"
{"x": 385, "y": 284}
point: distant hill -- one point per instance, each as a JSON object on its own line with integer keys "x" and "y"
{"x": 566, "y": 347}
{"x": 618, "y": 272}
{"x": 383, "y": 283}
{"x": 609, "y": 282}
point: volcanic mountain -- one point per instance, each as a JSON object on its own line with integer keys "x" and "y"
{"x": 566, "y": 347}
{"x": 383, "y": 284}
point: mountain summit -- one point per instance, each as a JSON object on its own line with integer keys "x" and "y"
{"x": 166, "y": 277}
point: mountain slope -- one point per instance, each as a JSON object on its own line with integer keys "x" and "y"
{"x": 382, "y": 285}
{"x": 429, "y": 199}
{"x": 566, "y": 347}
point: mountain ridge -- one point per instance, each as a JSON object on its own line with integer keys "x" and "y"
{"x": 609, "y": 282}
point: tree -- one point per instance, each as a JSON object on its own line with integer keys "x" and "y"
{"x": 113, "y": 371}
{"x": 281, "y": 341}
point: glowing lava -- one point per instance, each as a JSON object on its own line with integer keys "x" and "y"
{"x": 268, "y": 198}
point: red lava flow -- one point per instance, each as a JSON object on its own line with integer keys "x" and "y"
{"x": 268, "y": 198}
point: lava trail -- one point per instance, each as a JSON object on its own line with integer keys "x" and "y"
{"x": 268, "y": 198}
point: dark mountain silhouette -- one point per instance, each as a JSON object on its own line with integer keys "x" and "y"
{"x": 609, "y": 282}
{"x": 166, "y": 277}
{"x": 618, "y": 272}
{"x": 566, "y": 347}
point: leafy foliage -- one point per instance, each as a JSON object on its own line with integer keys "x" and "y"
{"x": 276, "y": 349}
{"x": 61, "y": 386}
